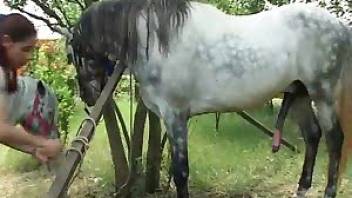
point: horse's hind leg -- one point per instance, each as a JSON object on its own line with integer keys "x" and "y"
{"x": 334, "y": 138}
{"x": 285, "y": 105}
{"x": 295, "y": 90}
{"x": 296, "y": 99}
{"x": 303, "y": 113}
{"x": 176, "y": 125}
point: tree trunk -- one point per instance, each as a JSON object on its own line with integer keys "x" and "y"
{"x": 154, "y": 153}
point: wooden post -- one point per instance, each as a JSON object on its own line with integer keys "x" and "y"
{"x": 136, "y": 186}
{"x": 66, "y": 171}
{"x": 154, "y": 153}
{"x": 123, "y": 127}
{"x": 116, "y": 146}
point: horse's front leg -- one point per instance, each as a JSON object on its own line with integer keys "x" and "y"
{"x": 178, "y": 134}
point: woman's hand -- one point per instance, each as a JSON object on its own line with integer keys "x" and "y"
{"x": 43, "y": 159}
{"x": 49, "y": 149}
{"x": 12, "y": 135}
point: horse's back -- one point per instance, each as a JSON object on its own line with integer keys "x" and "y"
{"x": 206, "y": 20}
{"x": 225, "y": 63}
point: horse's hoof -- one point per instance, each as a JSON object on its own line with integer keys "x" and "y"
{"x": 275, "y": 148}
{"x": 183, "y": 193}
{"x": 276, "y": 141}
{"x": 330, "y": 192}
{"x": 329, "y": 196}
{"x": 301, "y": 193}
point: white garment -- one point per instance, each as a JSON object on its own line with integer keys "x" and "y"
{"x": 3, "y": 92}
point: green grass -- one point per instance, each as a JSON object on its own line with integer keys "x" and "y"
{"x": 234, "y": 161}
{"x": 229, "y": 159}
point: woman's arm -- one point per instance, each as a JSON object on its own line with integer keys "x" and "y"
{"x": 22, "y": 148}
{"x": 31, "y": 149}
{"x": 12, "y": 135}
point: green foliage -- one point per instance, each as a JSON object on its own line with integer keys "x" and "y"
{"x": 50, "y": 65}
{"x": 71, "y": 10}
{"x": 238, "y": 6}
{"x": 123, "y": 87}
{"x": 15, "y": 3}
{"x": 242, "y": 7}
{"x": 64, "y": 12}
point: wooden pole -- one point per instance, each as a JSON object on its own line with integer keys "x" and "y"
{"x": 267, "y": 131}
{"x": 66, "y": 171}
{"x": 116, "y": 146}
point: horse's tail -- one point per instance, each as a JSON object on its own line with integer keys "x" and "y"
{"x": 345, "y": 114}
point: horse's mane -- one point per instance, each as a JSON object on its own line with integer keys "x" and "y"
{"x": 110, "y": 27}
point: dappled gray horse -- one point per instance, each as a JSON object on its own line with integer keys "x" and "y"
{"x": 190, "y": 58}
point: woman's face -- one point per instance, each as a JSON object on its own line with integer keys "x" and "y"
{"x": 19, "y": 53}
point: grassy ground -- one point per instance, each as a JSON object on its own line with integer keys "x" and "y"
{"x": 236, "y": 161}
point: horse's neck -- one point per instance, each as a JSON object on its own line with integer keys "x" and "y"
{"x": 202, "y": 17}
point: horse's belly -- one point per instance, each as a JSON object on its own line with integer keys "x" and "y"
{"x": 216, "y": 80}
{"x": 233, "y": 100}
{"x": 232, "y": 93}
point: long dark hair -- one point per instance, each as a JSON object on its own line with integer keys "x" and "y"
{"x": 18, "y": 28}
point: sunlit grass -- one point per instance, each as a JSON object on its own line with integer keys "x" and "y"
{"x": 233, "y": 161}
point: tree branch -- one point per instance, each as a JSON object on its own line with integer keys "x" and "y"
{"x": 46, "y": 21}
{"x": 51, "y": 13}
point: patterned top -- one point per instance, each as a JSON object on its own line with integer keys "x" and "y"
{"x": 33, "y": 105}
{"x": 3, "y": 92}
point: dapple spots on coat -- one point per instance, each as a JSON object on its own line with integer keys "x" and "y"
{"x": 230, "y": 55}
{"x": 268, "y": 47}
{"x": 155, "y": 75}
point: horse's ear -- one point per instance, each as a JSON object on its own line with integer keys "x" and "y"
{"x": 41, "y": 88}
